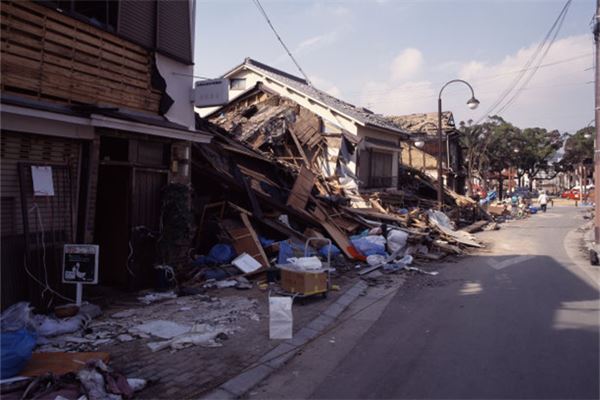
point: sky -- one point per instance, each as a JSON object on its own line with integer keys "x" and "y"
{"x": 394, "y": 56}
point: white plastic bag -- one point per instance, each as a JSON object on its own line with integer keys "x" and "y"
{"x": 306, "y": 263}
{"x": 280, "y": 318}
{"x": 396, "y": 240}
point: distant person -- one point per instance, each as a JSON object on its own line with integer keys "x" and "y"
{"x": 543, "y": 200}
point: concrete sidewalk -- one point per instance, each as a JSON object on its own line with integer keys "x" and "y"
{"x": 277, "y": 357}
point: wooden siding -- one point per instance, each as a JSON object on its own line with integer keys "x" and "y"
{"x": 49, "y": 56}
{"x": 50, "y": 220}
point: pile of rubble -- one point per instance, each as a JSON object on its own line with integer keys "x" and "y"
{"x": 271, "y": 180}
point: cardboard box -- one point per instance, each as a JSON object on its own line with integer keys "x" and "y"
{"x": 304, "y": 283}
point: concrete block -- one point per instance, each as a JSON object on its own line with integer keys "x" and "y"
{"x": 247, "y": 380}
{"x": 346, "y": 299}
{"x": 303, "y": 336}
{"x": 320, "y": 323}
{"x": 219, "y": 394}
{"x": 279, "y": 355}
{"x": 334, "y": 310}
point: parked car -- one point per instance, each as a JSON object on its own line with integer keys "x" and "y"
{"x": 571, "y": 194}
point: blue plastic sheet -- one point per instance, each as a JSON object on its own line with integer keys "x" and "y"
{"x": 335, "y": 251}
{"x": 16, "y": 348}
{"x": 367, "y": 247}
{"x": 289, "y": 249}
{"x": 219, "y": 254}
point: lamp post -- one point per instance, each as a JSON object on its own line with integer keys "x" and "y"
{"x": 472, "y": 103}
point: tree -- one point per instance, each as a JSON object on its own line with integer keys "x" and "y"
{"x": 499, "y": 154}
{"x": 536, "y": 147}
{"x": 579, "y": 151}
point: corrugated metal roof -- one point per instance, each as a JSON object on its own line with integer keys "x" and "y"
{"x": 360, "y": 114}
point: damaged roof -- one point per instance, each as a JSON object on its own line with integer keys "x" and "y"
{"x": 424, "y": 122}
{"x": 360, "y": 114}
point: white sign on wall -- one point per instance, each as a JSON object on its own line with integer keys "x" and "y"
{"x": 43, "y": 185}
{"x": 211, "y": 92}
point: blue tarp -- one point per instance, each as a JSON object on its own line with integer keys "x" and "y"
{"x": 16, "y": 348}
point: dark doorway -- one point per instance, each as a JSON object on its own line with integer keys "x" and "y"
{"x": 112, "y": 223}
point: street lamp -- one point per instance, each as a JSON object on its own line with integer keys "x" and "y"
{"x": 420, "y": 142}
{"x": 472, "y": 103}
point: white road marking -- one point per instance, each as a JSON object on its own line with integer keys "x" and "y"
{"x": 498, "y": 265}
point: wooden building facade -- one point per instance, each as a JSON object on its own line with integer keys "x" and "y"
{"x": 94, "y": 111}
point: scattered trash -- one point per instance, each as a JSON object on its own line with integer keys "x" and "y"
{"x": 306, "y": 263}
{"x": 16, "y": 348}
{"x": 160, "y": 328}
{"x": 246, "y": 263}
{"x": 157, "y": 296}
{"x": 199, "y": 335}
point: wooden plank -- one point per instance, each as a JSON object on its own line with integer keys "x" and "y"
{"x": 299, "y": 147}
{"x": 48, "y": 58}
{"x": 22, "y": 73}
{"x": 107, "y": 87}
{"x": 302, "y": 188}
{"x": 262, "y": 256}
{"x": 342, "y": 241}
{"x": 59, "y": 38}
{"x": 30, "y": 10}
{"x": 59, "y": 363}
{"x": 62, "y": 55}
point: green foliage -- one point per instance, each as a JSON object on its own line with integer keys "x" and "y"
{"x": 579, "y": 149}
{"x": 496, "y": 145}
{"x": 536, "y": 149}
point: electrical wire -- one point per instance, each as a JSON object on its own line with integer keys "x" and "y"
{"x": 264, "y": 14}
{"x": 45, "y": 285}
{"x": 513, "y": 85}
{"x": 485, "y": 78}
{"x": 533, "y": 72}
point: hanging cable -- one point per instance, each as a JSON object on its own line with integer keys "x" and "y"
{"x": 527, "y": 65}
{"x": 539, "y": 63}
{"x": 45, "y": 284}
{"x": 264, "y": 14}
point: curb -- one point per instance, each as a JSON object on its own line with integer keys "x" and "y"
{"x": 277, "y": 357}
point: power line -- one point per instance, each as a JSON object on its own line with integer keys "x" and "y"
{"x": 263, "y": 12}
{"x": 533, "y": 72}
{"x": 533, "y": 57}
{"x": 488, "y": 78}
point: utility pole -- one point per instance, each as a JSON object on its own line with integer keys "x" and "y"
{"x": 597, "y": 115}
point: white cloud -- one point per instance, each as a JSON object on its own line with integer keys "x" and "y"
{"x": 557, "y": 97}
{"x": 315, "y": 42}
{"x": 406, "y": 65}
{"x": 398, "y": 99}
{"x": 326, "y": 86}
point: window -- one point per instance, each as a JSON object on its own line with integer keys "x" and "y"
{"x": 101, "y": 13}
{"x": 237, "y": 84}
{"x": 381, "y": 169}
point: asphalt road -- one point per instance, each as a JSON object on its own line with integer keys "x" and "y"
{"x": 519, "y": 320}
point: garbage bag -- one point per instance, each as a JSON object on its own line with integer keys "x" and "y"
{"x": 396, "y": 240}
{"x": 376, "y": 259}
{"x": 290, "y": 249}
{"x": 16, "y": 348}
{"x": 222, "y": 253}
{"x": 16, "y": 317}
{"x": 280, "y": 318}
{"x": 335, "y": 251}
{"x": 370, "y": 245}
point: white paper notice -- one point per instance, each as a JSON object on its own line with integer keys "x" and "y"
{"x": 42, "y": 181}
